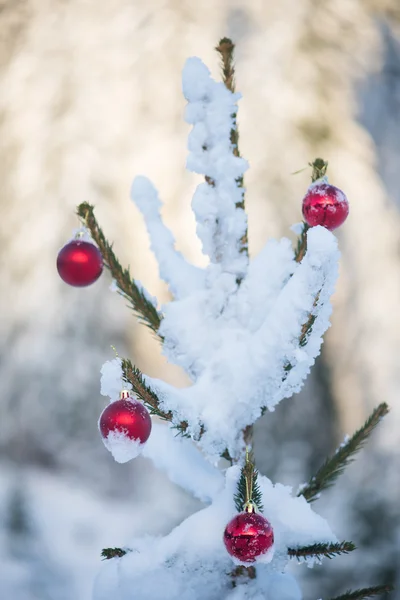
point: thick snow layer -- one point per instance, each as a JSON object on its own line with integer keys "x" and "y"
{"x": 211, "y": 109}
{"x": 238, "y": 343}
{"x": 183, "y": 462}
{"x": 191, "y": 562}
{"x": 220, "y": 224}
{"x": 268, "y": 586}
{"x": 111, "y": 382}
{"x": 122, "y": 447}
{"x": 179, "y": 274}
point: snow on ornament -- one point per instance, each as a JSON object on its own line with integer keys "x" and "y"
{"x": 79, "y": 263}
{"x": 125, "y": 426}
{"x": 324, "y": 204}
{"x": 249, "y": 537}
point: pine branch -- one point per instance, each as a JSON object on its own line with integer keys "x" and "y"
{"x": 301, "y": 244}
{"x": 134, "y": 376}
{"x": 227, "y": 456}
{"x": 308, "y": 325}
{"x": 226, "y": 49}
{"x": 108, "y": 553}
{"x": 365, "y": 593}
{"x": 243, "y": 572}
{"x": 127, "y": 287}
{"x": 319, "y": 168}
{"x": 319, "y": 550}
{"x": 248, "y": 490}
{"x": 335, "y": 465}
{"x": 306, "y": 330}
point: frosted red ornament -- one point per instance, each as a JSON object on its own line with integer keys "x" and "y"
{"x": 79, "y": 263}
{"x": 325, "y": 205}
{"x": 248, "y": 536}
{"x": 124, "y": 425}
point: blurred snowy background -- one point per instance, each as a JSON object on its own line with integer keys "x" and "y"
{"x": 90, "y": 97}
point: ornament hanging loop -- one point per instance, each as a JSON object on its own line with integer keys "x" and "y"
{"x": 80, "y": 234}
{"x": 249, "y": 475}
{"x": 249, "y": 507}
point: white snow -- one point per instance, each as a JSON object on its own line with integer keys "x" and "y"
{"x": 113, "y": 286}
{"x": 239, "y": 345}
{"x": 183, "y": 462}
{"x": 145, "y": 293}
{"x": 318, "y": 182}
{"x": 235, "y": 343}
{"x": 297, "y": 228}
{"x": 122, "y": 447}
{"x": 111, "y": 382}
{"x": 83, "y": 234}
{"x": 179, "y": 274}
{"x": 219, "y": 224}
{"x": 268, "y": 586}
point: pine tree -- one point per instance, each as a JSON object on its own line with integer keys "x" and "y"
{"x": 247, "y": 333}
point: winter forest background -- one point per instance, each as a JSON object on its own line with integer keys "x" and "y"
{"x": 90, "y": 97}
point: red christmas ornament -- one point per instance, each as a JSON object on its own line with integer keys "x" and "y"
{"x": 325, "y": 205}
{"x": 128, "y": 417}
{"x": 247, "y": 536}
{"x": 79, "y": 263}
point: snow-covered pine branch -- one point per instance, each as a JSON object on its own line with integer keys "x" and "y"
{"x": 184, "y": 464}
{"x": 221, "y": 223}
{"x": 181, "y": 277}
{"x": 142, "y": 303}
{"x": 176, "y": 456}
{"x": 237, "y": 345}
{"x": 244, "y": 346}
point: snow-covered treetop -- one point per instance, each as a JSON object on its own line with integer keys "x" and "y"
{"x": 235, "y": 327}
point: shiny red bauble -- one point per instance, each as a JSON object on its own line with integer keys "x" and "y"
{"x": 127, "y": 417}
{"x": 79, "y": 263}
{"x": 325, "y": 205}
{"x": 247, "y": 536}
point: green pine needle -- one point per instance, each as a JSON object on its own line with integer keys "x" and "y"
{"x": 318, "y": 550}
{"x": 301, "y": 248}
{"x": 365, "y": 593}
{"x": 335, "y": 465}
{"x": 131, "y": 374}
{"x": 248, "y": 482}
{"x": 127, "y": 287}
{"x": 108, "y": 553}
